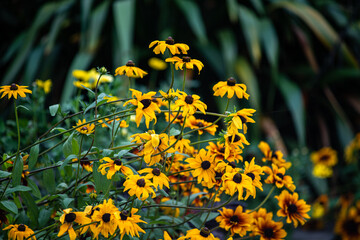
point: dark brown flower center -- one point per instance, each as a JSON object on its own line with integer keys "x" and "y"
{"x": 243, "y": 120}
{"x": 324, "y": 158}
{"x": 351, "y": 227}
{"x": 222, "y": 150}
{"x": 178, "y": 137}
{"x": 280, "y": 175}
{"x": 84, "y": 128}
{"x": 292, "y": 208}
{"x": 205, "y": 165}
{"x": 13, "y": 87}
{"x": 236, "y": 138}
{"x": 234, "y": 219}
{"x": 268, "y": 232}
{"x": 156, "y": 172}
{"x": 205, "y": 232}
{"x": 154, "y": 100}
{"x": 251, "y": 175}
{"x": 106, "y": 217}
{"x": 231, "y": 81}
{"x": 70, "y": 217}
{"x": 130, "y": 63}
{"x": 124, "y": 215}
{"x": 275, "y": 156}
{"x": 200, "y": 124}
{"x": 218, "y": 174}
{"x": 140, "y": 182}
{"x": 189, "y": 99}
{"x": 232, "y": 164}
{"x": 180, "y": 117}
{"x": 170, "y": 41}
{"x": 146, "y": 103}
{"x": 117, "y": 162}
{"x": 237, "y": 178}
{"x": 186, "y": 59}
{"x": 21, "y": 228}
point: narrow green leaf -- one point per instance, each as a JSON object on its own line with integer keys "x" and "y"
{"x": 34, "y": 188}
{"x": 33, "y": 157}
{"x": 258, "y": 6}
{"x": 97, "y": 22}
{"x": 102, "y": 184}
{"x": 19, "y": 188}
{"x": 33, "y": 211}
{"x": 4, "y": 174}
{"x": 49, "y": 179}
{"x": 229, "y": 50}
{"x": 9, "y": 206}
{"x": 67, "y": 147}
{"x": 23, "y": 107}
{"x": 33, "y": 63}
{"x": 54, "y": 109}
{"x": 67, "y": 201}
{"x": 17, "y": 171}
{"x": 344, "y": 131}
{"x": 269, "y": 41}
{"x": 67, "y": 160}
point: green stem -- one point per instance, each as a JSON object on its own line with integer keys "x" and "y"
{"x": 18, "y": 133}
{"x": 204, "y": 141}
{"x": 266, "y": 198}
{"x": 183, "y": 86}
{"x": 78, "y": 167}
{"x": 172, "y": 76}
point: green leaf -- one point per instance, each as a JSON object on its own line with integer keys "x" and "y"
{"x": 4, "y": 174}
{"x": 258, "y": 6}
{"x": 229, "y": 50}
{"x": 33, "y": 156}
{"x": 34, "y": 188}
{"x": 49, "y": 180}
{"x": 18, "y": 188}
{"x": 344, "y": 131}
{"x": 9, "y": 206}
{"x": 67, "y": 201}
{"x": 33, "y": 211}
{"x": 293, "y": 98}
{"x": 22, "y": 106}
{"x": 68, "y": 146}
{"x": 17, "y": 171}
{"x": 251, "y": 29}
{"x": 269, "y": 41}
{"x": 97, "y": 21}
{"x": 102, "y": 184}
{"x": 67, "y": 160}
{"x": 54, "y": 109}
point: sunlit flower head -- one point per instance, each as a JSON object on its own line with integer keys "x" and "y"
{"x": 45, "y": 85}
{"x": 68, "y": 219}
{"x": 179, "y": 118}
{"x": 322, "y": 171}
{"x": 203, "y": 165}
{"x": 107, "y": 219}
{"x": 254, "y": 171}
{"x": 240, "y": 119}
{"x": 230, "y": 87}
{"x": 238, "y": 222}
{"x": 14, "y": 90}
{"x": 295, "y": 210}
{"x": 170, "y": 95}
{"x": 139, "y": 186}
{"x": 325, "y": 156}
{"x": 169, "y": 43}
{"x": 201, "y": 125}
{"x": 277, "y": 176}
{"x": 275, "y": 157}
{"x": 157, "y": 64}
{"x": 130, "y": 70}
{"x": 190, "y": 103}
{"x": 234, "y": 142}
{"x": 85, "y": 129}
{"x": 109, "y": 167}
{"x": 158, "y": 101}
{"x": 89, "y": 78}
{"x": 19, "y": 232}
{"x": 128, "y": 223}
{"x": 182, "y": 145}
{"x": 270, "y": 230}
{"x": 218, "y": 150}
{"x": 237, "y": 182}
{"x": 186, "y": 62}
{"x": 196, "y": 234}
{"x": 159, "y": 179}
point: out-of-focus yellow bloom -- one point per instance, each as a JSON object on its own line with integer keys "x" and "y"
{"x": 322, "y": 171}
{"x": 325, "y": 156}
{"x": 130, "y": 70}
{"x": 157, "y": 64}
{"x": 89, "y": 78}
{"x": 45, "y": 85}
{"x": 352, "y": 150}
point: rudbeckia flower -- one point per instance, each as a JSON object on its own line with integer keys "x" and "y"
{"x": 277, "y": 176}
{"x": 203, "y": 165}
{"x": 218, "y": 150}
{"x": 237, "y": 182}
{"x": 107, "y": 218}
{"x": 86, "y": 129}
{"x": 169, "y": 43}
{"x": 230, "y": 87}
{"x": 196, "y": 234}
{"x": 145, "y": 107}
{"x": 194, "y": 123}
{"x": 157, "y": 64}
{"x": 322, "y": 171}
{"x": 325, "y": 156}
{"x": 130, "y": 70}
{"x": 269, "y": 229}
{"x": 45, "y": 85}
{"x": 236, "y": 221}
{"x": 85, "y": 164}
{"x": 139, "y": 186}
{"x": 182, "y": 145}
{"x": 19, "y": 232}
{"x": 254, "y": 171}
{"x": 179, "y": 118}
{"x": 234, "y": 142}
{"x": 113, "y": 167}
{"x": 89, "y": 78}
{"x": 186, "y": 62}
{"x": 190, "y": 103}
{"x": 68, "y": 218}
{"x": 14, "y": 90}
{"x": 159, "y": 179}
{"x": 240, "y": 119}
{"x": 123, "y": 123}
{"x": 292, "y": 208}
{"x": 128, "y": 223}
{"x": 275, "y": 157}
{"x": 348, "y": 225}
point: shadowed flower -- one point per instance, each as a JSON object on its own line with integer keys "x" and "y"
{"x": 123, "y": 123}
{"x": 275, "y": 157}
{"x": 68, "y": 218}
{"x": 85, "y": 129}
{"x": 277, "y": 176}
{"x": 159, "y": 179}
{"x": 139, "y": 186}
{"x": 230, "y": 87}
{"x": 130, "y": 70}
{"x": 269, "y": 229}
{"x": 128, "y": 223}
{"x": 325, "y": 156}
{"x": 169, "y": 43}
{"x": 113, "y": 167}
{"x": 240, "y": 119}
{"x": 254, "y": 171}
{"x": 89, "y": 78}
{"x": 236, "y": 221}
{"x": 45, "y": 85}
{"x": 19, "y": 232}
{"x": 348, "y": 225}
{"x": 237, "y": 182}
{"x": 322, "y": 171}
{"x": 196, "y": 234}
{"x": 185, "y": 61}
{"x": 14, "y": 90}
{"x": 234, "y": 143}
{"x": 201, "y": 125}
{"x": 190, "y": 103}
{"x": 218, "y": 150}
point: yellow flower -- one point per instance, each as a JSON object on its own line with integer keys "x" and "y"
{"x": 19, "y": 232}
{"x": 107, "y": 218}
{"x": 123, "y": 123}
{"x": 322, "y": 171}
{"x": 203, "y": 165}
{"x": 139, "y": 186}
{"x": 89, "y": 78}
{"x": 159, "y": 179}
{"x": 196, "y": 234}
{"x": 230, "y": 87}
{"x": 14, "y": 90}
{"x": 254, "y": 171}
{"x": 111, "y": 99}
{"x": 277, "y": 176}
{"x": 166, "y": 236}
{"x": 194, "y": 123}
{"x": 237, "y": 182}
{"x": 185, "y": 61}
{"x": 128, "y": 223}
{"x": 276, "y": 157}
{"x": 269, "y": 229}
{"x": 157, "y": 64}
{"x": 325, "y": 156}
{"x": 182, "y": 145}
{"x": 236, "y": 221}
{"x": 114, "y": 166}
{"x": 45, "y": 85}
{"x": 145, "y": 107}
{"x": 130, "y": 70}
{"x": 169, "y": 43}
{"x": 348, "y": 225}
{"x": 68, "y": 218}
{"x": 190, "y": 103}
{"x": 169, "y": 96}
{"x": 239, "y": 120}
{"x": 234, "y": 143}
{"x": 218, "y": 150}
{"x": 85, "y": 164}
{"x": 292, "y": 208}
{"x": 85, "y": 129}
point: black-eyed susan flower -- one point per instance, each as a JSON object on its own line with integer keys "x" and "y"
{"x": 325, "y": 156}
{"x": 218, "y": 150}
{"x": 85, "y": 129}
{"x": 157, "y": 64}
{"x": 123, "y": 123}
{"x": 201, "y": 125}
{"x": 107, "y": 218}
{"x": 226, "y": 166}
{"x": 186, "y": 62}
{"x": 275, "y": 157}
{"x": 348, "y": 225}
{"x": 159, "y": 179}
{"x": 269, "y": 229}
{"x": 44, "y": 85}
{"x": 170, "y": 95}
{"x": 158, "y": 101}
{"x": 19, "y": 232}
{"x": 203, "y": 165}
{"x": 190, "y": 103}
{"x": 196, "y": 234}
{"x": 294, "y": 209}
{"x": 109, "y": 167}
{"x": 85, "y": 164}
{"x": 169, "y": 43}
{"x": 254, "y": 171}
{"x": 128, "y": 223}
{"x": 237, "y": 182}
{"x": 179, "y": 118}
{"x": 260, "y": 213}
{"x": 277, "y": 176}
{"x": 240, "y": 119}
{"x": 145, "y": 106}
{"x": 320, "y": 206}
{"x": 89, "y": 78}
{"x": 234, "y": 142}
{"x": 14, "y": 90}
{"x": 139, "y": 186}
{"x": 182, "y": 145}
{"x": 236, "y": 221}
{"x": 67, "y": 220}
{"x": 230, "y": 87}
{"x": 130, "y": 70}
{"x": 322, "y": 171}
